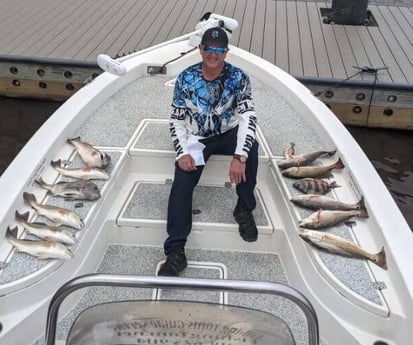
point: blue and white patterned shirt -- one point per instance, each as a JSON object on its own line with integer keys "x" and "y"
{"x": 202, "y": 108}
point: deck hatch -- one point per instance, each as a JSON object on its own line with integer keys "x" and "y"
{"x": 147, "y": 206}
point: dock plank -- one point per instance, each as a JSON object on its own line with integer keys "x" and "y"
{"x": 239, "y": 11}
{"x": 397, "y": 41}
{"x": 281, "y": 34}
{"x": 402, "y": 21}
{"x": 349, "y": 61}
{"x": 230, "y": 8}
{"x": 320, "y": 49}
{"x": 257, "y": 37}
{"x": 247, "y": 25}
{"x": 12, "y": 13}
{"x": 288, "y": 33}
{"x": 268, "y": 52}
{"x": 80, "y": 32}
{"x": 220, "y": 7}
{"x": 164, "y": 34}
{"x": 124, "y": 17}
{"x": 199, "y": 8}
{"x": 89, "y": 51}
{"x": 307, "y": 44}
{"x": 54, "y": 37}
{"x": 134, "y": 18}
{"x": 357, "y": 47}
{"x": 94, "y": 32}
{"x": 178, "y": 28}
{"x": 378, "y": 35}
{"x": 137, "y": 41}
{"x": 336, "y": 59}
{"x": 294, "y": 41}
{"x": 68, "y": 32}
{"x": 22, "y": 25}
{"x": 408, "y": 14}
{"x": 48, "y": 23}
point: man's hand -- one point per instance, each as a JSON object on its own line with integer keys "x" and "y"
{"x": 187, "y": 163}
{"x": 237, "y": 171}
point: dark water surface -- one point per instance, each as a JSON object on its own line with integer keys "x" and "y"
{"x": 390, "y": 151}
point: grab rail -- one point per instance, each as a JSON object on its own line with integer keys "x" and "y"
{"x": 179, "y": 283}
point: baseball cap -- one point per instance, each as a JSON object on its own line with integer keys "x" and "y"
{"x": 215, "y": 35}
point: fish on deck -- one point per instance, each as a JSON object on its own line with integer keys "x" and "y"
{"x": 76, "y": 190}
{"x": 58, "y": 215}
{"x": 84, "y": 173}
{"x": 324, "y": 218}
{"x": 312, "y": 171}
{"x": 303, "y": 160}
{"x": 337, "y": 245}
{"x": 92, "y": 157}
{"x": 317, "y": 202}
{"x": 314, "y": 185}
{"x": 39, "y": 249}
{"x": 45, "y": 231}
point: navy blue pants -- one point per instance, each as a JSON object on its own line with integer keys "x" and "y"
{"x": 179, "y": 221}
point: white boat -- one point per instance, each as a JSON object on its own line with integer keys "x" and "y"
{"x": 124, "y": 113}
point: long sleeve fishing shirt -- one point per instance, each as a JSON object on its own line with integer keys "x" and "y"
{"x": 202, "y": 108}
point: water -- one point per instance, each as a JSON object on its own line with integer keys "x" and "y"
{"x": 390, "y": 151}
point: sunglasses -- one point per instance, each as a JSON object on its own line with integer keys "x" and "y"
{"x": 218, "y": 51}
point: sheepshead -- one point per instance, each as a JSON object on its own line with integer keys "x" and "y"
{"x": 44, "y": 231}
{"x": 302, "y": 160}
{"x": 312, "y": 171}
{"x": 77, "y": 190}
{"x": 39, "y": 249}
{"x": 80, "y": 173}
{"x": 59, "y": 216}
{"x": 90, "y": 155}
{"x": 317, "y": 202}
{"x": 341, "y": 246}
{"x": 324, "y": 218}
{"x": 289, "y": 151}
{"x": 314, "y": 185}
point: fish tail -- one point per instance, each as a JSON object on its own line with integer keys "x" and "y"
{"x": 22, "y": 216}
{"x": 29, "y": 198}
{"x": 56, "y": 164}
{"x": 381, "y": 259}
{"x": 73, "y": 139}
{"x": 334, "y": 185}
{"x": 339, "y": 164}
{"x": 11, "y": 232}
{"x": 40, "y": 182}
{"x": 363, "y": 209}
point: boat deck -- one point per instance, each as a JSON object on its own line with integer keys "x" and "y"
{"x": 134, "y": 228}
{"x": 289, "y": 34}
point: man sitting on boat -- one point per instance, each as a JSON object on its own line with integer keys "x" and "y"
{"x": 212, "y": 113}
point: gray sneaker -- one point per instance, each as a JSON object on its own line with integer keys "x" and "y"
{"x": 175, "y": 263}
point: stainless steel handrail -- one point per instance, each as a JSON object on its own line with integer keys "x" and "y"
{"x": 179, "y": 283}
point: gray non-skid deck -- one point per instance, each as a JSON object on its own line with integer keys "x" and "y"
{"x": 290, "y": 34}
{"x": 144, "y": 260}
{"x": 113, "y": 127}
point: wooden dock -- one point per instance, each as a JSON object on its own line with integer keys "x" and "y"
{"x": 64, "y": 37}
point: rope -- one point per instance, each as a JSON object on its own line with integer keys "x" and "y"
{"x": 361, "y": 70}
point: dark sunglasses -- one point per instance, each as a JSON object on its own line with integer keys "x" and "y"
{"x": 218, "y": 51}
